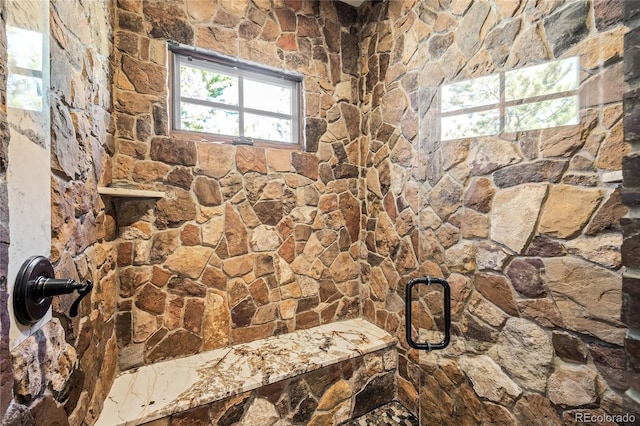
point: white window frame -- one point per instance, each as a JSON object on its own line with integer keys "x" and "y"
{"x": 211, "y": 61}
{"x": 501, "y": 105}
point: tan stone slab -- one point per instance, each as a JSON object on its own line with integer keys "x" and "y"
{"x": 161, "y": 389}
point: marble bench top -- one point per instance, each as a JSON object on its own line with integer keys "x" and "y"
{"x": 161, "y": 389}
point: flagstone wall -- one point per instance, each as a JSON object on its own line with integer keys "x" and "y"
{"x": 249, "y": 241}
{"x": 254, "y": 241}
{"x": 525, "y": 226}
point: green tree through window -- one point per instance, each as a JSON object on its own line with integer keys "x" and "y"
{"x": 230, "y": 101}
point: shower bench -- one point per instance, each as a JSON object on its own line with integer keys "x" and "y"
{"x": 348, "y": 366}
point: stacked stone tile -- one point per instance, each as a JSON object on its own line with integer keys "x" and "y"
{"x": 252, "y": 242}
{"x": 631, "y": 173}
{"x": 249, "y": 242}
{"x": 81, "y": 234}
{"x": 522, "y": 225}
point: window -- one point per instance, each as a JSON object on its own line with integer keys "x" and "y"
{"x": 235, "y": 101}
{"x": 24, "y": 83}
{"x": 529, "y": 98}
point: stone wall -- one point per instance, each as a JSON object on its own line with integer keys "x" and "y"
{"x": 81, "y": 145}
{"x": 328, "y": 396}
{"x": 64, "y": 371}
{"x": 6, "y": 376}
{"x": 630, "y": 196}
{"x": 249, "y": 242}
{"x": 523, "y": 226}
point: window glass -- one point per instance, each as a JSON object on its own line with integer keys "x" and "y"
{"x": 24, "y": 92}
{"x": 25, "y": 48}
{"x": 536, "y": 97}
{"x": 197, "y": 83}
{"x": 472, "y": 124}
{"x": 271, "y": 128}
{"x": 543, "y": 114}
{"x": 471, "y": 93}
{"x": 267, "y": 97}
{"x": 229, "y": 99}
{"x": 24, "y": 83}
{"x": 199, "y": 118}
{"x": 552, "y": 77}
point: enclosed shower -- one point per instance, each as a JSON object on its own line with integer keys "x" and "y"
{"x": 301, "y": 212}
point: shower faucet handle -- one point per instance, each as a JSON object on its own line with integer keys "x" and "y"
{"x": 49, "y": 287}
{"x": 36, "y": 284}
{"x": 84, "y": 289}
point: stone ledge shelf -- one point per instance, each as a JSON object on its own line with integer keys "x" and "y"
{"x": 165, "y": 388}
{"x": 119, "y": 192}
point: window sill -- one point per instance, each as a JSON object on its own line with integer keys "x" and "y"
{"x": 223, "y": 140}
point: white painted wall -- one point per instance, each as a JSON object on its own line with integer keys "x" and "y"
{"x": 29, "y": 165}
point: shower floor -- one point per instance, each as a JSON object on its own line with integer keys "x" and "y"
{"x": 392, "y": 414}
